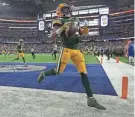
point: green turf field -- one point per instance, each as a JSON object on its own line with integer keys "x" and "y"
{"x": 44, "y": 58}
{"x": 122, "y": 59}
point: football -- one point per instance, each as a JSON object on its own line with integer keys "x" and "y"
{"x": 71, "y": 29}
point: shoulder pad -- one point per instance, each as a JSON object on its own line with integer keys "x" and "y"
{"x": 57, "y": 22}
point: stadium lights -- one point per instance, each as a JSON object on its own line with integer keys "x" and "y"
{"x": 3, "y": 4}
{"x": 128, "y": 38}
{"x": 22, "y": 27}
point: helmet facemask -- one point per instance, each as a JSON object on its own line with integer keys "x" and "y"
{"x": 66, "y": 11}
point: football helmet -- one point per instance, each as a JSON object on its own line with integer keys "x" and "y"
{"x": 63, "y": 10}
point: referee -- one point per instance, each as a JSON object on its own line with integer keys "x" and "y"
{"x": 54, "y": 51}
{"x": 108, "y": 53}
{"x": 33, "y": 53}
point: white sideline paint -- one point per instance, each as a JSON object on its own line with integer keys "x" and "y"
{"x": 115, "y": 72}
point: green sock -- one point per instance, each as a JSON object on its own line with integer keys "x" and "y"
{"x": 50, "y": 72}
{"x": 16, "y": 58}
{"x": 23, "y": 59}
{"x": 86, "y": 84}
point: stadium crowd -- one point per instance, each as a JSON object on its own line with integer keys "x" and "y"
{"x": 10, "y": 36}
{"x": 31, "y": 35}
{"x": 84, "y": 46}
{"x": 39, "y": 47}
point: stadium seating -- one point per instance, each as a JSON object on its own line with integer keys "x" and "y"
{"x": 11, "y": 32}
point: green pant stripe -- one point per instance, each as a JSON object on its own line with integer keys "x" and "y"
{"x": 59, "y": 61}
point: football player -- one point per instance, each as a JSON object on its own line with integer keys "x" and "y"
{"x": 70, "y": 50}
{"x": 20, "y": 51}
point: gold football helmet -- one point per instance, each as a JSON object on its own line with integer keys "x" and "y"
{"x": 63, "y": 10}
{"x": 57, "y": 22}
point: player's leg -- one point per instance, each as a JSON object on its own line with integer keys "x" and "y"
{"x": 5, "y": 54}
{"x": 108, "y": 55}
{"x": 129, "y": 59}
{"x": 62, "y": 62}
{"x": 34, "y": 55}
{"x": 79, "y": 61}
{"x": 22, "y": 56}
{"x": 55, "y": 52}
{"x": 8, "y": 52}
{"x": 98, "y": 52}
{"x": 102, "y": 54}
{"x": 87, "y": 53}
{"x": 133, "y": 60}
{"x": 17, "y": 58}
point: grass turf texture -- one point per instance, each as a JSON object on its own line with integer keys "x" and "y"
{"x": 122, "y": 59}
{"x": 44, "y": 58}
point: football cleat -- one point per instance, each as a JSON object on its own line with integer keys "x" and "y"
{"x": 93, "y": 103}
{"x": 40, "y": 77}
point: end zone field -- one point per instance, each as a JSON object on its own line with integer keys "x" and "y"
{"x": 63, "y": 82}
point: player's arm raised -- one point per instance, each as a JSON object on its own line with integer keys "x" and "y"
{"x": 22, "y": 48}
{"x": 58, "y": 28}
{"x": 80, "y": 31}
{"x": 54, "y": 33}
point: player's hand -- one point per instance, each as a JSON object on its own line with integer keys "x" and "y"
{"x": 65, "y": 25}
{"x": 74, "y": 19}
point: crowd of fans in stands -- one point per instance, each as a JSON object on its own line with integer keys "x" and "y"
{"x": 122, "y": 7}
{"x": 123, "y": 30}
{"x": 39, "y": 48}
{"x": 10, "y": 36}
{"x": 92, "y": 47}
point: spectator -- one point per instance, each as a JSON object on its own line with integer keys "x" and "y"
{"x": 131, "y": 52}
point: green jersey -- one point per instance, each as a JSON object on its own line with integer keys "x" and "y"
{"x": 5, "y": 49}
{"x": 69, "y": 42}
{"x": 19, "y": 48}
